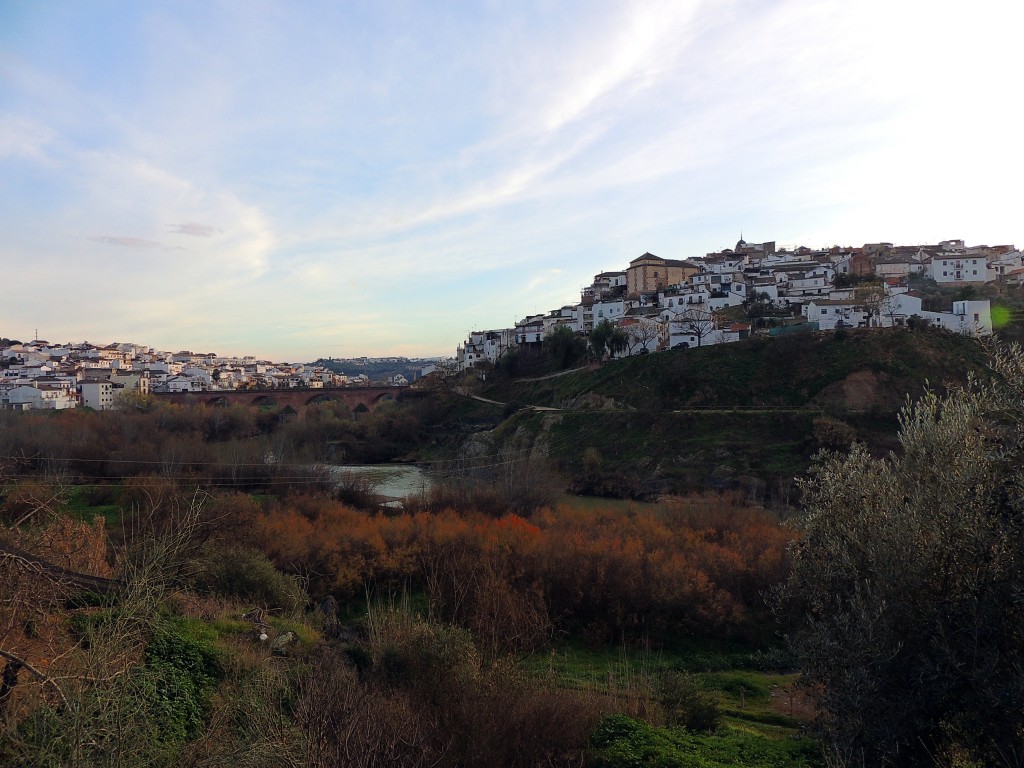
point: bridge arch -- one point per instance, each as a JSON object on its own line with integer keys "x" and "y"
{"x": 325, "y": 397}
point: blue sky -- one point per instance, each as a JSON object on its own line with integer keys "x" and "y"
{"x": 304, "y": 179}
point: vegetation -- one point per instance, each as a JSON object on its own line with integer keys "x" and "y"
{"x": 749, "y": 415}
{"x": 905, "y": 597}
{"x": 179, "y": 587}
{"x": 564, "y": 347}
{"x": 142, "y": 641}
{"x": 623, "y": 742}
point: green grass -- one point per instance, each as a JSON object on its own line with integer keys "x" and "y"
{"x": 225, "y": 627}
{"x": 746, "y": 699}
{"x": 754, "y": 731}
{"x": 304, "y": 632}
{"x": 89, "y": 502}
{"x": 599, "y": 504}
{"x": 621, "y": 742}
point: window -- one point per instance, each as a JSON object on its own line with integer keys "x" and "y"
{"x": 824, "y": 311}
{"x": 943, "y": 274}
{"x": 976, "y": 318}
{"x": 975, "y": 272}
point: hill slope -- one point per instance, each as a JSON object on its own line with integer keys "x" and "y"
{"x": 747, "y": 415}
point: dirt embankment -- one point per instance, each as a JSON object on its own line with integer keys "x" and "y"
{"x": 861, "y": 391}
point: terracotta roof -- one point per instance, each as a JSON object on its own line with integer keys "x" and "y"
{"x": 646, "y": 256}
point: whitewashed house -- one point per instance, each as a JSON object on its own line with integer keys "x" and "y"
{"x": 952, "y": 268}
{"x": 99, "y": 394}
{"x": 608, "y": 309}
{"x": 39, "y": 397}
{"x": 830, "y": 314}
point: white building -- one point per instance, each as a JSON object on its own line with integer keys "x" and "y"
{"x": 99, "y": 394}
{"x": 946, "y": 269}
{"x": 830, "y": 314}
{"x": 609, "y": 309}
{"x": 41, "y": 397}
{"x": 489, "y": 346}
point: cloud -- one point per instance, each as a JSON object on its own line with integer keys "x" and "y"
{"x": 544, "y": 278}
{"x": 193, "y": 229}
{"x": 24, "y": 138}
{"x": 126, "y": 242}
{"x": 643, "y": 45}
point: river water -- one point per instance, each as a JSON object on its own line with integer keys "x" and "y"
{"x": 396, "y": 481}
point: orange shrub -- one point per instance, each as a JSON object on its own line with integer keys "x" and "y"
{"x": 699, "y": 567}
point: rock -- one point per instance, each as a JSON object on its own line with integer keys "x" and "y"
{"x": 329, "y": 609}
{"x": 282, "y": 641}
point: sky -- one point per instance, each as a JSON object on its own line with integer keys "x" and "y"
{"x": 305, "y": 179}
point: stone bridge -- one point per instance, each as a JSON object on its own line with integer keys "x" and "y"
{"x": 356, "y": 398}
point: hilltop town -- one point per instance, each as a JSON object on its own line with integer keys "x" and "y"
{"x": 657, "y": 304}
{"x": 653, "y": 305}
{"x": 39, "y": 375}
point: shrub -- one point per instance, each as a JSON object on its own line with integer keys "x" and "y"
{"x": 183, "y": 668}
{"x": 421, "y": 656}
{"x": 248, "y": 575}
{"x": 833, "y": 434}
{"x": 905, "y": 594}
{"x": 685, "y": 703}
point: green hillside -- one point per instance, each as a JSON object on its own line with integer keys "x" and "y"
{"x": 748, "y": 415}
{"x": 799, "y": 370}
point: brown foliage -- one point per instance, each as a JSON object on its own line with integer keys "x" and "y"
{"x": 698, "y": 567}
{"x": 433, "y": 714}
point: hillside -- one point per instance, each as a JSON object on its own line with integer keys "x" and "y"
{"x": 748, "y": 415}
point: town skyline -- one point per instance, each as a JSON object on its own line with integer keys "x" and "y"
{"x": 293, "y": 182}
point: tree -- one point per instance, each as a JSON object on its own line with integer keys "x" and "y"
{"x": 906, "y": 594}
{"x": 606, "y": 338}
{"x": 563, "y": 346}
{"x": 640, "y": 332}
{"x": 695, "y": 322}
{"x": 875, "y": 300}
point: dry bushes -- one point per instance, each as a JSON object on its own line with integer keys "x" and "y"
{"x": 699, "y": 567}
{"x": 422, "y": 697}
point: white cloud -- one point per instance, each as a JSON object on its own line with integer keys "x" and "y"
{"x": 22, "y": 137}
{"x": 125, "y": 242}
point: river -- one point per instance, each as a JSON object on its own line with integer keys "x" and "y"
{"x": 396, "y": 481}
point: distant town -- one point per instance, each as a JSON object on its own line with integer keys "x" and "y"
{"x": 652, "y": 305}
{"x": 656, "y": 304}
{"x": 37, "y": 374}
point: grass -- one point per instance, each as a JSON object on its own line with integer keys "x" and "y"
{"x": 678, "y": 452}
{"x": 757, "y": 729}
{"x": 621, "y": 742}
{"x": 306, "y": 634}
{"x": 89, "y": 502}
{"x": 599, "y": 504}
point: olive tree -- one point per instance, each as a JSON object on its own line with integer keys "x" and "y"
{"x": 906, "y": 596}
